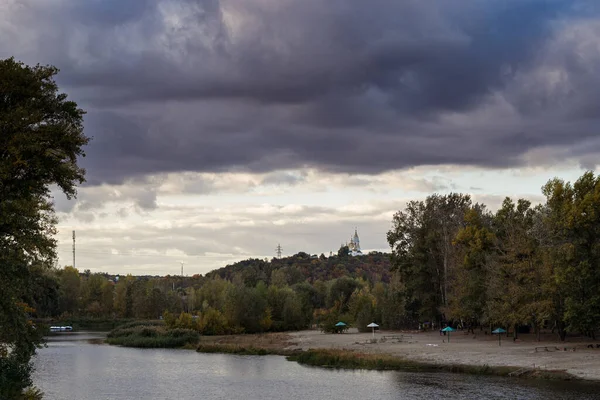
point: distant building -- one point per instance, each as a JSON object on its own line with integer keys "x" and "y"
{"x": 354, "y": 245}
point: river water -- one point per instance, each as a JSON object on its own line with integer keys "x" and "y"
{"x": 75, "y": 367}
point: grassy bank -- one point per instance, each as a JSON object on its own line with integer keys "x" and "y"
{"x": 241, "y": 350}
{"x": 347, "y": 359}
{"x": 152, "y": 336}
{"x": 285, "y": 345}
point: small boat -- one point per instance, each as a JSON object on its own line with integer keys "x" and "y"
{"x": 67, "y": 328}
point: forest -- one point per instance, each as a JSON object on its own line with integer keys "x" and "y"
{"x": 249, "y": 296}
{"x": 521, "y": 266}
{"x": 453, "y": 261}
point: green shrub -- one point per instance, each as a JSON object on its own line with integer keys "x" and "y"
{"x": 152, "y": 337}
{"x": 133, "y": 324}
{"x": 213, "y": 322}
{"x": 14, "y": 376}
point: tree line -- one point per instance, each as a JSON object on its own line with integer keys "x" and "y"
{"x": 524, "y": 265}
{"x": 453, "y": 261}
{"x": 252, "y": 296}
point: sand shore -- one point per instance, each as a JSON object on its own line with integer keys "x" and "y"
{"x": 479, "y": 349}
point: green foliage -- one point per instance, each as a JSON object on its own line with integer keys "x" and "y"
{"x": 186, "y": 321}
{"x": 468, "y": 291}
{"x": 343, "y": 252}
{"x": 246, "y": 309}
{"x": 340, "y": 292}
{"x": 40, "y": 141}
{"x": 14, "y": 376}
{"x": 521, "y": 266}
{"x": 182, "y": 321}
{"x": 423, "y": 254}
{"x": 149, "y": 336}
{"x": 213, "y": 293}
{"x": 286, "y": 309}
{"x": 574, "y": 215}
{"x": 134, "y": 324}
{"x": 361, "y": 308}
{"x": 301, "y": 267}
{"x": 213, "y": 322}
{"x": 327, "y": 320}
{"x": 32, "y": 394}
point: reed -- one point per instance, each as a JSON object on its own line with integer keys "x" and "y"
{"x": 148, "y": 336}
{"x": 228, "y": 348}
{"x": 332, "y": 358}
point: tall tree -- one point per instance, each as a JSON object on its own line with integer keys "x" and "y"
{"x": 518, "y": 288}
{"x": 70, "y": 288}
{"x": 40, "y": 141}
{"x": 123, "y": 303}
{"x": 422, "y": 251}
{"x": 474, "y": 242}
{"x": 574, "y": 213}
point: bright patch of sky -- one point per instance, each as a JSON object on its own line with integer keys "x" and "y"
{"x": 315, "y": 214}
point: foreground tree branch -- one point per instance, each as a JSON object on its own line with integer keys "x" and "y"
{"x": 41, "y": 139}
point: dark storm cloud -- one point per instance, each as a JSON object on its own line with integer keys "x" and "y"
{"x": 352, "y": 86}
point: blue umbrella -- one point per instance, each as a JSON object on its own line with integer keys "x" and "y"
{"x": 340, "y": 327}
{"x": 499, "y": 331}
{"x": 448, "y": 329}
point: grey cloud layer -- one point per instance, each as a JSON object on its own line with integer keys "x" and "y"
{"x": 353, "y": 86}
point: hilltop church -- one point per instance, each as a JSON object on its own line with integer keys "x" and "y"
{"x": 354, "y": 245}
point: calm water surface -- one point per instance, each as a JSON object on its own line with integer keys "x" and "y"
{"x": 73, "y": 367}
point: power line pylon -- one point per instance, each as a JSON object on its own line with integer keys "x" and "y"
{"x": 279, "y": 250}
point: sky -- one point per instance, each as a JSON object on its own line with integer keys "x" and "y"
{"x": 222, "y": 128}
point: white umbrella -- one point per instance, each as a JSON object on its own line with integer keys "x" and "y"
{"x": 373, "y": 325}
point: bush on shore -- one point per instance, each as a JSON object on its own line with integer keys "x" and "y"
{"x": 134, "y": 324}
{"x": 209, "y": 322}
{"x": 152, "y": 336}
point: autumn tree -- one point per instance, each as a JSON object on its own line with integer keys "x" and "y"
{"x": 518, "y": 288}
{"x": 574, "y": 220}
{"x": 390, "y": 303}
{"x": 340, "y": 291}
{"x": 41, "y": 138}
{"x": 123, "y": 298}
{"x": 70, "y": 288}
{"x": 421, "y": 240}
{"x": 468, "y": 286}
{"x": 361, "y": 308}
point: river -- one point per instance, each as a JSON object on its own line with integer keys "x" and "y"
{"x": 75, "y": 367}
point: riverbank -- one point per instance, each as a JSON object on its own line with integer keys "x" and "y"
{"x": 478, "y": 354}
{"x": 104, "y": 371}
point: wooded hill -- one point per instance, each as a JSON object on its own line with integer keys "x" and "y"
{"x": 372, "y": 267}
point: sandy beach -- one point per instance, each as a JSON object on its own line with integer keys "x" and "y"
{"x": 467, "y": 349}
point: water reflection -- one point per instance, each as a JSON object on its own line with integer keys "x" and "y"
{"x": 72, "y": 367}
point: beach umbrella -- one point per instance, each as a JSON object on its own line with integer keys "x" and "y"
{"x": 499, "y": 331}
{"x": 448, "y": 329}
{"x": 373, "y": 325}
{"x": 340, "y": 325}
